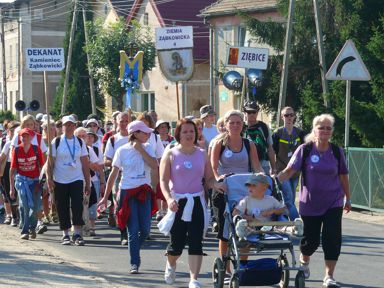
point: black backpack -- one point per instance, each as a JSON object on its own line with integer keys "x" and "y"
{"x": 307, "y": 150}
{"x": 58, "y": 139}
{"x": 259, "y": 136}
{"x": 247, "y": 145}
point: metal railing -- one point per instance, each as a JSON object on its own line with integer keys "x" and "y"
{"x": 366, "y": 178}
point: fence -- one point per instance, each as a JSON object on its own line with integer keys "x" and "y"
{"x": 366, "y": 178}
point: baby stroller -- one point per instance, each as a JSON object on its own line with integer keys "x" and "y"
{"x": 259, "y": 272}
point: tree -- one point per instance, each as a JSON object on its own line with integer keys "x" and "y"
{"x": 104, "y": 48}
{"x": 361, "y": 21}
{"x": 6, "y": 115}
{"x": 78, "y": 98}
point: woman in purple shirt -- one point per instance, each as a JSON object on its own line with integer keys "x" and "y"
{"x": 324, "y": 187}
{"x": 182, "y": 170}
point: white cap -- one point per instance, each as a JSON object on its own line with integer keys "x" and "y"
{"x": 92, "y": 121}
{"x": 68, "y": 118}
{"x": 159, "y": 122}
{"x": 39, "y": 116}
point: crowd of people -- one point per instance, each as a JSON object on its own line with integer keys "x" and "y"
{"x": 136, "y": 169}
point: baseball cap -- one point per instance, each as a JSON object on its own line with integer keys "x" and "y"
{"x": 251, "y": 106}
{"x": 68, "y": 118}
{"x": 257, "y": 178}
{"x": 159, "y": 122}
{"x": 39, "y": 116}
{"x": 27, "y": 131}
{"x": 115, "y": 114}
{"x": 138, "y": 126}
{"x": 93, "y": 120}
{"x": 206, "y": 110}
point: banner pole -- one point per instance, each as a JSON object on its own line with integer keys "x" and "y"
{"x": 177, "y": 100}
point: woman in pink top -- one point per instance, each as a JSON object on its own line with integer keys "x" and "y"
{"x": 182, "y": 170}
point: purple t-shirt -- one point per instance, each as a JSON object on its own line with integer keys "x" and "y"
{"x": 322, "y": 190}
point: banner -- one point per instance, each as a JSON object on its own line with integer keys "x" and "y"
{"x": 176, "y": 65}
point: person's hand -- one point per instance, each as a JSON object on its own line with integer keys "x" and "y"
{"x": 102, "y": 189}
{"x": 102, "y": 202}
{"x": 347, "y": 206}
{"x": 137, "y": 145}
{"x": 12, "y": 192}
{"x": 172, "y": 205}
{"x": 87, "y": 191}
{"x": 51, "y": 185}
{"x": 268, "y": 213}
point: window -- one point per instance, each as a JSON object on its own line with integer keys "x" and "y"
{"x": 241, "y": 32}
{"x": 147, "y": 101}
{"x": 145, "y": 18}
{"x": 10, "y": 57}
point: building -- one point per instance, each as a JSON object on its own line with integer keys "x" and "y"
{"x": 157, "y": 93}
{"x": 30, "y": 24}
{"x": 228, "y": 29}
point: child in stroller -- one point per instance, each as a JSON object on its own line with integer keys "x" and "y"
{"x": 252, "y": 202}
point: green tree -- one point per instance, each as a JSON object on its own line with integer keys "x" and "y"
{"x": 361, "y": 21}
{"x": 104, "y": 50}
{"x": 6, "y": 115}
{"x": 78, "y": 98}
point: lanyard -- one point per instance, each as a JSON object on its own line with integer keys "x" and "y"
{"x": 74, "y": 148}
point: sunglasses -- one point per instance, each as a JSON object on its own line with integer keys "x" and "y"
{"x": 328, "y": 128}
{"x": 289, "y": 115}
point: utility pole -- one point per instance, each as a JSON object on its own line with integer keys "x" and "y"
{"x": 287, "y": 53}
{"x": 5, "y": 94}
{"x": 91, "y": 83}
{"x": 323, "y": 68}
{"x": 68, "y": 68}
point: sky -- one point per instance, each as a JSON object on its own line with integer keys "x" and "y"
{"x": 6, "y": 1}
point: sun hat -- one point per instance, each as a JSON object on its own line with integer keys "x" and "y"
{"x": 159, "y": 122}
{"x": 138, "y": 126}
{"x": 90, "y": 132}
{"x": 90, "y": 121}
{"x": 206, "y": 110}
{"x": 257, "y": 178}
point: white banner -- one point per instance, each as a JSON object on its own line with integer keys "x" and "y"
{"x": 248, "y": 57}
{"x": 174, "y": 37}
{"x": 45, "y": 59}
{"x": 176, "y": 65}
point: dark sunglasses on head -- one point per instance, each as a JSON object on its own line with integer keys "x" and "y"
{"x": 289, "y": 115}
{"x": 328, "y": 128}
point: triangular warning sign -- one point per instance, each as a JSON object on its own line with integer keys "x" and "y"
{"x": 348, "y": 65}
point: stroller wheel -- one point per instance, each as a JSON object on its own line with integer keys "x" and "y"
{"x": 234, "y": 283}
{"x": 283, "y": 261}
{"x": 218, "y": 273}
{"x": 300, "y": 280}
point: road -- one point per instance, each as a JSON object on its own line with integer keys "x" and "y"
{"x": 104, "y": 263}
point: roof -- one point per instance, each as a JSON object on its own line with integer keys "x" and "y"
{"x": 230, "y": 7}
{"x": 182, "y": 13}
{"x": 120, "y": 7}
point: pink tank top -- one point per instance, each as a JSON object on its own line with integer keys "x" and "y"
{"x": 187, "y": 171}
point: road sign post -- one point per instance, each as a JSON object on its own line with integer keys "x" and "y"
{"x": 348, "y": 66}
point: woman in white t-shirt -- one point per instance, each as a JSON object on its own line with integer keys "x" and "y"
{"x": 135, "y": 160}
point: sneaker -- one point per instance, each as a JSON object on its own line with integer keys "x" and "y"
{"x": 330, "y": 282}
{"x": 66, "y": 240}
{"x": 215, "y": 227}
{"x": 298, "y": 229}
{"x": 8, "y": 220}
{"x": 124, "y": 242}
{"x": 111, "y": 221}
{"x": 24, "y": 236}
{"x": 92, "y": 232}
{"x": 169, "y": 274}
{"x": 42, "y": 228}
{"x": 78, "y": 240}
{"x": 227, "y": 279}
{"x": 46, "y": 221}
{"x": 194, "y": 284}
{"x": 14, "y": 222}
{"x": 134, "y": 269}
{"x": 33, "y": 234}
{"x": 305, "y": 268}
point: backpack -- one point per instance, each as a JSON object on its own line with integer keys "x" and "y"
{"x": 247, "y": 145}
{"x": 259, "y": 136}
{"x": 307, "y": 151}
{"x": 58, "y": 139}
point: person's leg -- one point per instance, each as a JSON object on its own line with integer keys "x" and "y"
{"x": 133, "y": 232}
{"x": 36, "y": 195}
{"x": 45, "y": 203}
{"x": 77, "y": 197}
{"x": 331, "y": 239}
{"x": 289, "y": 201}
{"x": 195, "y": 239}
{"x": 144, "y": 219}
{"x": 25, "y": 215}
{"x": 62, "y": 203}
{"x": 294, "y": 181}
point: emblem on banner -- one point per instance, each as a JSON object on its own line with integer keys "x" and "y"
{"x": 131, "y": 74}
{"x": 176, "y": 65}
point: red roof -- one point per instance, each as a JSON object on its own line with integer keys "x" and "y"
{"x": 182, "y": 13}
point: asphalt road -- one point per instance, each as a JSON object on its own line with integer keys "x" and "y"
{"x": 104, "y": 263}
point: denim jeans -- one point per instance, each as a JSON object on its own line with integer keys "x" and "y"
{"x": 29, "y": 222}
{"x": 289, "y": 193}
{"x": 93, "y": 208}
{"x": 138, "y": 226}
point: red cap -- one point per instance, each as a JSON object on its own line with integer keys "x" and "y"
{"x": 27, "y": 131}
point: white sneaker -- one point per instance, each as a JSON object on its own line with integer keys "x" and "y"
{"x": 330, "y": 282}
{"x": 194, "y": 284}
{"x": 298, "y": 229}
{"x": 305, "y": 268}
{"x": 169, "y": 274}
